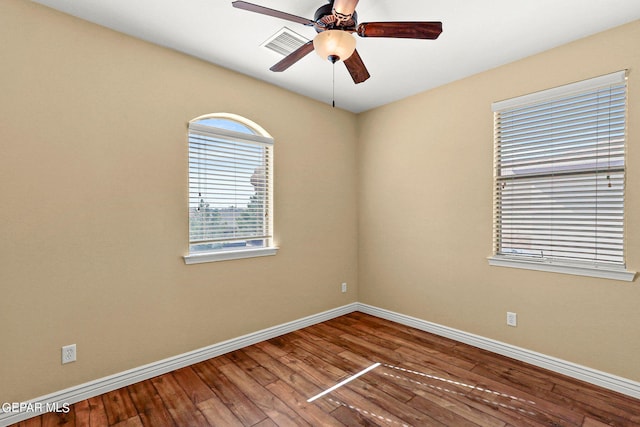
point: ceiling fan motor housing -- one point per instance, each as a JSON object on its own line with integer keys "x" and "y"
{"x": 326, "y": 20}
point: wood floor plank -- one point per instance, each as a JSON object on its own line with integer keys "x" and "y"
{"x": 483, "y": 384}
{"x": 335, "y": 366}
{"x": 463, "y": 410}
{"x": 192, "y": 385}
{"x": 58, "y": 419}
{"x": 422, "y": 380}
{"x": 282, "y": 364}
{"x": 603, "y": 405}
{"x": 268, "y": 422}
{"x": 506, "y": 397}
{"x": 286, "y": 369}
{"x": 311, "y": 353}
{"x": 590, "y": 422}
{"x": 245, "y": 410}
{"x": 149, "y": 405}
{"x": 97, "y": 411}
{"x": 524, "y": 379}
{"x": 379, "y": 381}
{"x": 455, "y": 393}
{"x": 217, "y": 413}
{"x": 118, "y": 406}
{"x": 269, "y": 403}
{"x": 440, "y": 413}
{"x": 409, "y": 334}
{"x": 323, "y": 376}
{"x": 352, "y": 418}
{"x": 180, "y": 407}
{"x": 82, "y": 413}
{"x": 417, "y": 346}
{"x": 311, "y": 412}
{"x": 131, "y": 422}
{"x": 253, "y": 368}
{"x": 473, "y": 408}
{"x": 410, "y": 414}
{"x": 347, "y": 397}
{"x": 30, "y": 422}
{"x": 305, "y": 335}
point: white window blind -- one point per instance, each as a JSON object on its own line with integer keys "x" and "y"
{"x": 230, "y": 187}
{"x": 560, "y": 174}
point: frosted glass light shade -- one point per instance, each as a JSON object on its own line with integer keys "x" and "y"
{"x": 334, "y": 42}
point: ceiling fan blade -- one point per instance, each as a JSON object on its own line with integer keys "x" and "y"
{"x": 403, "y": 30}
{"x": 345, "y": 7}
{"x": 293, "y": 57}
{"x": 271, "y": 12}
{"x": 356, "y": 68}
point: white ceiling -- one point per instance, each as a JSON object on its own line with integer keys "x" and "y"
{"x": 477, "y": 35}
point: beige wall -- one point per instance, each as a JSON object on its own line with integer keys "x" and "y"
{"x": 93, "y": 219}
{"x": 425, "y": 201}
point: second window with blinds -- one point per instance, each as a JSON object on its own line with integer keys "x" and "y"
{"x": 230, "y": 189}
{"x": 559, "y": 179}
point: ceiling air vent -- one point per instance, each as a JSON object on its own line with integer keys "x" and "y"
{"x": 284, "y": 41}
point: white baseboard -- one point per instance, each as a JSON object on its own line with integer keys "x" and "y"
{"x": 113, "y": 382}
{"x": 599, "y": 378}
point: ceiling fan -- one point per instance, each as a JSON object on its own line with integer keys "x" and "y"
{"x": 335, "y": 22}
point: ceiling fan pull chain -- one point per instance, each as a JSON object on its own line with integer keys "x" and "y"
{"x": 333, "y": 94}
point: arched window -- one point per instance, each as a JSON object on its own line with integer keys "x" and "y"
{"x": 230, "y": 189}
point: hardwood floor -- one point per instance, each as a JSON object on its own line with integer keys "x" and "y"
{"x": 422, "y": 380}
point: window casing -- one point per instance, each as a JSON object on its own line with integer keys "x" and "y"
{"x": 230, "y": 189}
{"x": 559, "y": 176}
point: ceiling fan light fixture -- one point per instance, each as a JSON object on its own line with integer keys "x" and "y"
{"x": 330, "y": 44}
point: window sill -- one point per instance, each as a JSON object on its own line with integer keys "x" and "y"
{"x": 565, "y": 268}
{"x": 228, "y": 255}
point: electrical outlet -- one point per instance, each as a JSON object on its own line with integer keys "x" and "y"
{"x": 68, "y": 353}
{"x": 344, "y": 287}
{"x": 512, "y": 319}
